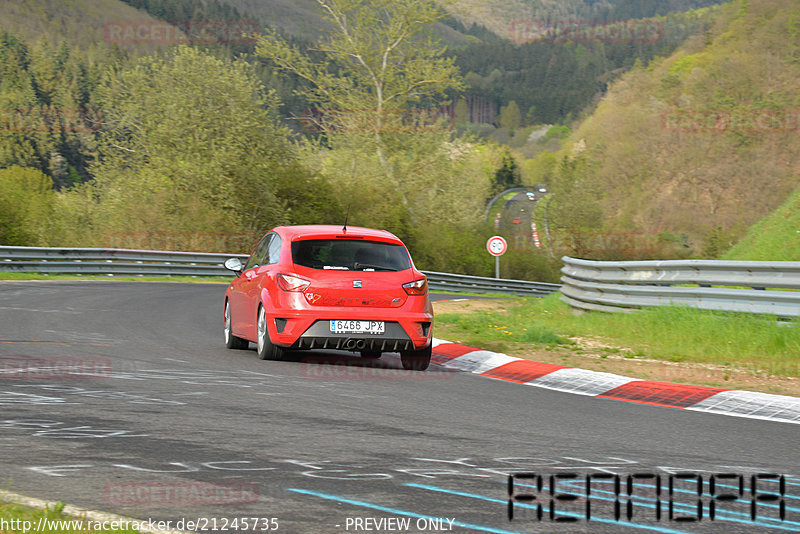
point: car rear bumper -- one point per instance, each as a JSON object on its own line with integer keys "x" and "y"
{"x": 319, "y": 336}
{"x": 409, "y": 331}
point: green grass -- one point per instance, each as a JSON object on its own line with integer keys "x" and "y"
{"x": 668, "y": 333}
{"x": 117, "y": 278}
{"x": 496, "y": 330}
{"x": 24, "y": 520}
{"x": 776, "y": 237}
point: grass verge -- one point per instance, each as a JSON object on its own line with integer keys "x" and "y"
{"x": 674, "y": 337}
{"x": 17, "y": 518}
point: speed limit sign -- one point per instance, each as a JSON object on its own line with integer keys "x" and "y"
{"x": 496, "y": 246}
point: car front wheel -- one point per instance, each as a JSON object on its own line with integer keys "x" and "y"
{"x": 416, "y": 360}
{"x": 231, "y": 341}
{"x": 266, "y": 349}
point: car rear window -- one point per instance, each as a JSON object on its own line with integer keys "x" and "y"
{"x": 350, "y": 254}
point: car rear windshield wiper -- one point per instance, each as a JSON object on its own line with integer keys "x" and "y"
{"x": 364, "y": 266}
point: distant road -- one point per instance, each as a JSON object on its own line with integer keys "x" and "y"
{"x": 333, "y": 443}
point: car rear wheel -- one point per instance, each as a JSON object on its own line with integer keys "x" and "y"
{"x": 265, "y": 348}
{"x": 416, "y": 360}
{"x": 231, "y": 341}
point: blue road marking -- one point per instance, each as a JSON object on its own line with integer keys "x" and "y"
{"x": 663, "y": 530}
{"x": 397, "y": 511}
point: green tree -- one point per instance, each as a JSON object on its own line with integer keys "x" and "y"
{"x": 460, "y": 111}
{"x": 573, "y": 208}
{"x": 510, "y": 116}
{"x": 18, "y": 106}
{"x": 377, "y": 81}
{"x": 190, "y": 143}
{"x": 377, "y": 72}
{"x": 508, "y": 175}
{"x": 530, "y": 117}
{"x": 26, "y": 199}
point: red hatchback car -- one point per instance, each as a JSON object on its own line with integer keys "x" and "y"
{"x": 330, "y": 287}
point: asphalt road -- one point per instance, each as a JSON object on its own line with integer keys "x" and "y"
{"x": 334, "y": 443}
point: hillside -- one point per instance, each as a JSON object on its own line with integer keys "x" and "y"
{"x": 502, "y": 16}
{"x": 79, "y": 22}
{"x": 776, "y": 237}
{"x": 700, "y": 145}
{"x": 300, "y": 19}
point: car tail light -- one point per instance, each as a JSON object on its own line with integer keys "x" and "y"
{"x": 290, "y": 282}
{"x": 417, "y": 287}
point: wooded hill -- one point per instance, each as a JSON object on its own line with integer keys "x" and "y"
{"x": 79, "y": 22}
{"x": 688, "y": 149}
{"x": 695, "y": 147}
{"x": 501, "y": 16}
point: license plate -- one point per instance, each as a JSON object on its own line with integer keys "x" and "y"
{"x": 341, "y": 326}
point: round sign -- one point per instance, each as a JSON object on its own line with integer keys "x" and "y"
{"x": 496, "y": 246}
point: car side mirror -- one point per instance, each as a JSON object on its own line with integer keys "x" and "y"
{"x": 235, "y": 265}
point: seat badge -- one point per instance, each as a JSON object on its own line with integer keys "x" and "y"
{"x": 356, "y": 283}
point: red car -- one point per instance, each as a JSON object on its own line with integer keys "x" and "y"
{"x": 330, "y": 287}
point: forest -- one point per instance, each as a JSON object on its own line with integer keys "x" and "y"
{"x": 206, "y": 146}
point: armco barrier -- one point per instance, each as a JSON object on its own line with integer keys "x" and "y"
{"x": 105, "y": 261}
{"x": 761, "y": 287}
{"x": 479, "y": 284}
{"x": 110, "y": 261}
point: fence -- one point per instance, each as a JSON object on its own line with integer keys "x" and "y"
{"x": 761, "y": 287}
{"x": 100, "y": 261}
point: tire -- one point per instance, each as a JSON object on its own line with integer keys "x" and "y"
{"x": 370, "y": 354}
{"x": 417, "y": 360}
{"x": 264, "y": 347}
{"x": 231, "y": 341}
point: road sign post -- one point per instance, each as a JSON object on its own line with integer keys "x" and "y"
{"x": 496, "y": 246}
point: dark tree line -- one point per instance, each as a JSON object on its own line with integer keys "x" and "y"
{"x": 555, "y": 80}
{"x": 48, "y": 116}
{"x": 183, "y": 10}
{"x": 552, "y": 82}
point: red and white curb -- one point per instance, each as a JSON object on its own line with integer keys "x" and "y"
{"x": 610, "y": 386}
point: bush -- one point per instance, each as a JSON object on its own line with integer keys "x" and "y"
{"x": 26, "y": 199}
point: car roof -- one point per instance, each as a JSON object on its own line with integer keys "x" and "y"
{"x": 328, "y": 231}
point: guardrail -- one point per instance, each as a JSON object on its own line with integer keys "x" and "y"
{"x": 479, "y": 284}
{"x": 105, "y": 261}
{"x": 112, "y": 261}
{"x": 760, "y": 287}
